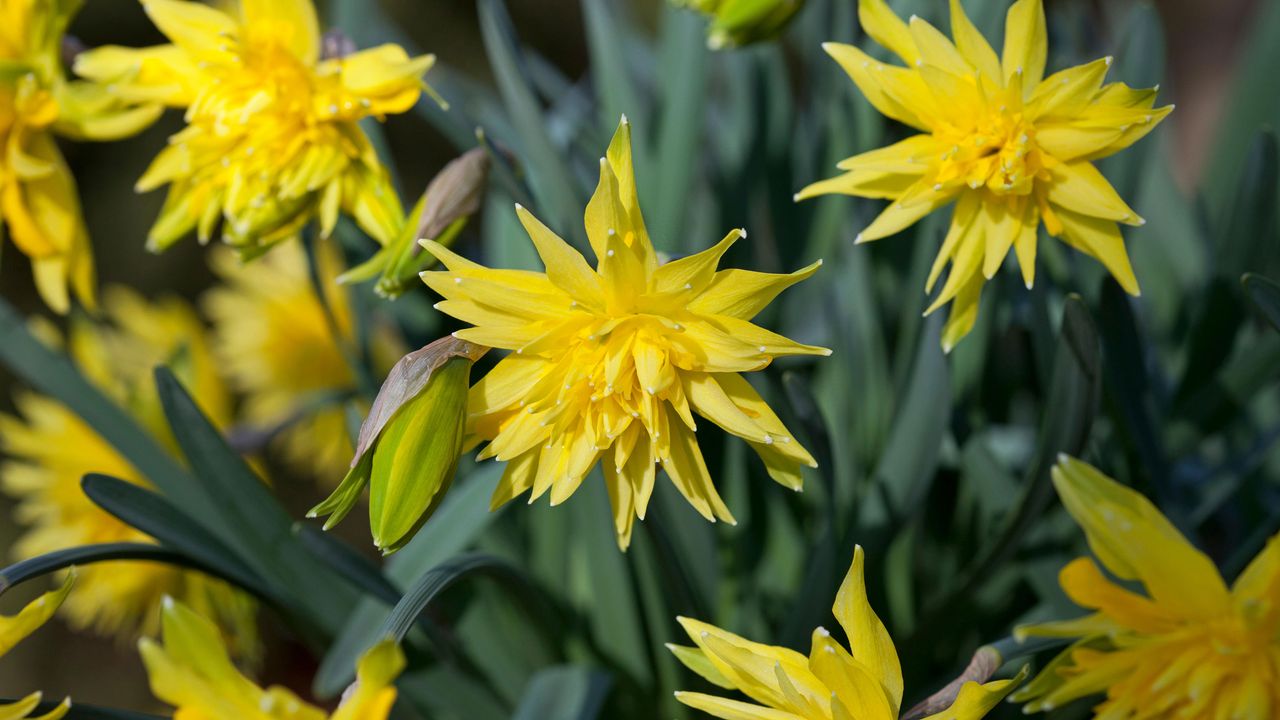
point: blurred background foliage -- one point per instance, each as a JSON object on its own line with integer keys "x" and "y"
{"x": 937, "y": 465}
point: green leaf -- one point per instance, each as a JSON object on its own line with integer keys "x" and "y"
{"x": 910, "y": 458}
{"x": 1129, "y": 389}
{"x": 152, "y": 514}
{"x": 48, "y": 563}
{"x": 600, "y": 582}
{"x": 262, "y": 535}
{"x": 1252, "y": 104}
{"x": 1265, "y": 296}
{"x": 564, "y": 693}
{"x": 440, "y": 578}
{"x": 1067, "y": 415}
{"x": 443, "y": 693}
{"x": 345, "y": 561}
{"x": 559, "y": 199}
{"x": 462, "y": 518}
{"x": 1245, "y": 238}
{"x": 607, "y": 38}
{"x": 684, "y": 67}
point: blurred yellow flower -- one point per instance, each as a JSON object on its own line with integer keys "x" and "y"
{"x": 1187, "y": 647}
{"x": 618, "y": 358}
{"x": 832, "y": 683}
{"x": 273, "y": 137}
{"x": 14, "y": 630}
{"x": 1011, "y": 147}
{"x": 51, "y": 449}
{"x": 282, "y": 351}
{"x": 38, "y": 201}
{"x": 192, "y": 672}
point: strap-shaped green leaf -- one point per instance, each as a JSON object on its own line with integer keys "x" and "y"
{"x": 559, "y": 198}
{"x": 564, "y": 693}
{"x": 48, "y": 563}
{"x": 152, "y": 514}
{"x": 261, "y": 529}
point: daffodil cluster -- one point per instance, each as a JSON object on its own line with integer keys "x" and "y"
{"x": 611, "y": 364}
{"x": 1011, "y": 148}
{"x": 39, "y": 204}
{"x": 1167, "y": 638}
{"x": 273, "y": 139}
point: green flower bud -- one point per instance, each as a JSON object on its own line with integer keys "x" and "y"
{"x": 451, "y": 198}
{"x": 741, "y": 22}
{"x": 409, "y": 444}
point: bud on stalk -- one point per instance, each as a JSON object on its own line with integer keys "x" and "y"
{"x": 735, "y": 23}
{"x": 409, "y": 444}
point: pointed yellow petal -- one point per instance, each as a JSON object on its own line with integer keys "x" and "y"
{"x": 1085, "y": 584}
{"x": 972, "y": 45}
{"x": 197, "y": 28}
{"x": 566, "y": 267}
{"x": 935, "y": 48}
{"x": 1079, "y": 187}
{"x": 1026, "y": 42}
{"x": 1135, "y": 542}
{"x": 744, "y": 293}
{"x": 694, "y": 272}
{"x": 289, "y": 23}
{"x": 898, "y": 216}
{"x": 975, "y": 701}
{"x": 1100, "y": 239}
{"x": 886, "y": 28}
{"x": 964, "y": 313}
{"x": 896, "y": 92}
{"x": 869, "y": 641}
{"x": 732, "y": 709}
{"x": 851, "y": 682}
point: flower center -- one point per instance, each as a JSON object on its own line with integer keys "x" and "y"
{"x": 998, "y": 152}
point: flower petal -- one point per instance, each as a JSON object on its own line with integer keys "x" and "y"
{"x": 1135, "y": 542}
{"x": 1026, "y": 42}
{"x": 869, "y": 641}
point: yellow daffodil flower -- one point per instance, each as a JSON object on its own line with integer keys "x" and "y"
{"x": 38, "y": 200}
{"x": 192, "y": 671}
{"x": 1009, "y": 146}
{"x": 273, "y": 137}
{"x": 51, "y": 449}
{"x": 284, "y": 353}
{"x": 14, "y": 630}
{"x": 1177, "y": 643}
{"x": 832, "y": 683}
{"x": 612, "y": 363}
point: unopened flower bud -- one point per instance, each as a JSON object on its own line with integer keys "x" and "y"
{"x": 452, "y": 196}
{"x": 409, "y": 444}
{"x": 741, "y": 22}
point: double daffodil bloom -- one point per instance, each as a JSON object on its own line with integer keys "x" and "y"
{"x": 273, "y": 137}
{"x": 52, "y": 449}
{"x": 1010, "y": 147}
{"x": 285, "y": 353}
{"x": 14, "y": 630}
{"x": 1175, "y": 645}
{"x": 192, "y": 672}
{"x": 38, "y": 201}
{"x": 612, "y": 363}
{"x": 832, "y": 683}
